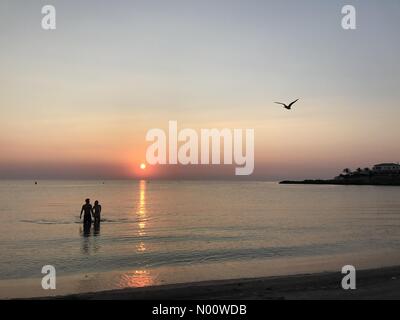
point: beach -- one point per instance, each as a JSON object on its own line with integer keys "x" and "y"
{"x": 374, "y": 284}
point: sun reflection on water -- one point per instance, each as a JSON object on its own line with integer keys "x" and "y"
{"x": 139, "y": 278}
{"x": 141, "y": 208}
{"x": 136, "y": 279}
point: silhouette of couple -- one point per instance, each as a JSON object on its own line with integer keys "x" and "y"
{"x": 90, "y": 211}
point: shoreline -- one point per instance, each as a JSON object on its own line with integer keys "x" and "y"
{"x": 99, "y": 282}
{"x": 381, "y": 283}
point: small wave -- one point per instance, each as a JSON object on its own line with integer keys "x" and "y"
{"x": 50, "y": 222}
{"x": 122, "y": 220}
{"x": 47, "y": 222}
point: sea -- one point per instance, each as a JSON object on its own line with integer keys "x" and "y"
{"x": 166, "y": 232}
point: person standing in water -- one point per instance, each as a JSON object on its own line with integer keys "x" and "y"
{"x": 87, "y": 210}
{"x": 96, "y": 212}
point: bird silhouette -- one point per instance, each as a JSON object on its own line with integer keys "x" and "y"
{"x": 288, "y": 106}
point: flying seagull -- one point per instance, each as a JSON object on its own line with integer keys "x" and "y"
{"x": 289, "y": 107}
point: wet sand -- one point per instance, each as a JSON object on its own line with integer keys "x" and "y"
{"x": 383, "y": 283}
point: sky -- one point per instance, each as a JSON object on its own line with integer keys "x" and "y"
{"x": 76, "y": 102}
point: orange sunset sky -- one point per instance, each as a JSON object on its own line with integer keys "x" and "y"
{"x": 77, "y": 102}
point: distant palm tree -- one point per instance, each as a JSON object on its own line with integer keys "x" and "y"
{"x": 346, "y": 171}
{"x": 367, "y": 169}
{"x": 359, "y": 170}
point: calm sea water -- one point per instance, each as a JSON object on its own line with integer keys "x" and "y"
{"x": 171, "y": 231}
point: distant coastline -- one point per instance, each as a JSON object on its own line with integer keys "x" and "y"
{"x": 346, "y": 183}
{"x": 384, "y": 174}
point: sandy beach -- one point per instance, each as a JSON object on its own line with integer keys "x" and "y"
{"x": 383, "y": 283}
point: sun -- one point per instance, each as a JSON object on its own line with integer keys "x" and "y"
{"x": 142, "y": 166}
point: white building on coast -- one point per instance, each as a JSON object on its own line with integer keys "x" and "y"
{"x": 386, "y": 168}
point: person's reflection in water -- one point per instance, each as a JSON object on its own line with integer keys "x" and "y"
{"x": 90, "y": 239}
{"x": 86, "y": 229}
{"x": 85, "y": 233}
{"x": 96, "y": 228}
